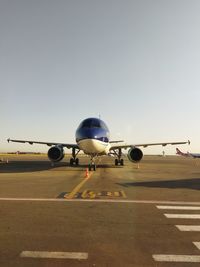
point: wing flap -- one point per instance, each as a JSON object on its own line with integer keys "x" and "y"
{"x": 125, "y": 146}
{"x": 44, "y": 143}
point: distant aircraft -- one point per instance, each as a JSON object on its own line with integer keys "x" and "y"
{"x": 92, "y": 137}
{"x": 193, "y": 155}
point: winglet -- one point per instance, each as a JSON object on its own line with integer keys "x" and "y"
{"x": 8, "y": 140}
{"x": 188, "y": 142}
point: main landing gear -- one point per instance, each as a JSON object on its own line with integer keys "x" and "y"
{"x": 119, "y": 160}
{"x": 74, "y": 159}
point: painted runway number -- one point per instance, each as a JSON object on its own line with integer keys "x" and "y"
{"x": 89, "y": 194}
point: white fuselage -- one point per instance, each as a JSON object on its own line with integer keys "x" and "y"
{"x": 94, "y": 147}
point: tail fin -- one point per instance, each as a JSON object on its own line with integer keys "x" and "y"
{"x": 178, "y": 152}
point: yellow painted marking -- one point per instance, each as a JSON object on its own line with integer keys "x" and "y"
{"x": 109, "y": 194}
{"x": 123, "y": 194}
{"x": 116, "y": 194}
{"x": 92, "y": 194}
{"x": 78, "y": 187}
{"x": 84, "y": 194}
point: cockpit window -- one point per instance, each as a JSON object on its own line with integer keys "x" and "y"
{"x": 90, "y": 123}
{"x": 93, "y": 123}
{"x": 103, "y": 125}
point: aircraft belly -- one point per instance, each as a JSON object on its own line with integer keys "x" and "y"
{"x": 92, "y": 146}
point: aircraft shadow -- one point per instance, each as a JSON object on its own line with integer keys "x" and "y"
{"x": 35, "y": 166}
{"x": 108, "y": 166}
{"x": 32, "y": 166}
{"x": 191, "y": 183}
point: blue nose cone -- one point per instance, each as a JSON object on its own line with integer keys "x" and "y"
{"x": 98, "y": 134}
{"x": 92, "y": 128}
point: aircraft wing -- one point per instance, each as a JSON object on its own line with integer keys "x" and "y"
{"x": 194, "y": 155}
{"x": 146, "y": 145}
{"x": 44, "y": 143}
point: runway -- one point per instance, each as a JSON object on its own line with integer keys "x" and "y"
{"x": 146, "y": 215}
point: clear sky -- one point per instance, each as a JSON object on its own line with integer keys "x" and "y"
{"x": 136, "y": 63}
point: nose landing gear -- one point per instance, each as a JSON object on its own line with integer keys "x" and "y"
{"x": 92, "y": 165}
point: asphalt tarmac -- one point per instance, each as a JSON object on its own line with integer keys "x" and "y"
{"x": 135, "y": 215}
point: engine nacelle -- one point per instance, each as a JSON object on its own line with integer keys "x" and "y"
{"x": 56, "y": 153}
{"x": 135, "y": 154}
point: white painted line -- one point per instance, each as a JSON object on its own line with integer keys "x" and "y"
{"x": 176, "y": 258}
{"x": 187, "y": 228}
{"x": 178, "y": 207}
{"x": 102, "y": 201}
{"x": 183, "y": 216}
{"x": 54, "y": 255}
{"x": 197, "y": 244}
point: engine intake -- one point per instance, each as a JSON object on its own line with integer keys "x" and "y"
{"x": 135, "y": 154}
{"x": 56, "y": 153}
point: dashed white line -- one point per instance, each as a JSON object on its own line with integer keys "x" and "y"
{"x": 182, "y": 216}
{"x": 197, "y": 244}
{"x": 188, "y": 228}
{"x": 54, "y": 255}
{"x": 178, "y": 208}
{"x": 176, "y": 258}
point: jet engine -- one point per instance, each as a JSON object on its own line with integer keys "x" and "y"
{"x": 56, "y": 153}
{"x": 135, "y": 154}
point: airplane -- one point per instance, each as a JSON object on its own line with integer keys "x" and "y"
{"x": 193, "y": 155}
{"x": 93, "y": 138}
